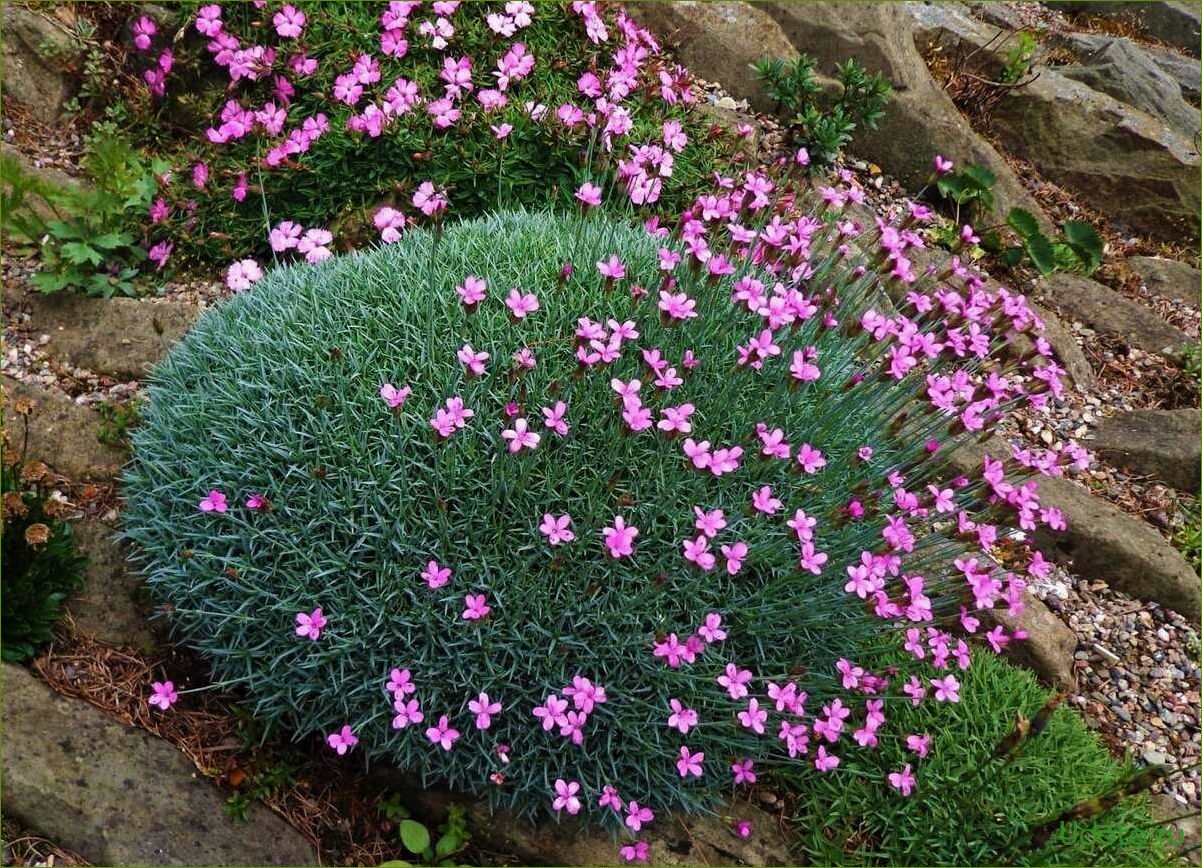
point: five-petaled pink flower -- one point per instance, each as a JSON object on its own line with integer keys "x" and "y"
{"x": 163, "y": 695}
{"x": 612, "y": 268}
{"x": 310, "y": 624}
{"x": 619, "y": 538}
{"x": 520, "y": 436}
{"x": 743, "y": 771}
{"x": 443, "y": 734}
{"x": 475, "y": 607}
{"x": 689, "y": 763}
{"x": 589, "y": 194}
{"x": 214, "y": 501}
{"x": 557, "y": 529}
{"x": 520, "y": 303}
{"x": 393, "y": 396}
{"x": 435, "y": 575}
{"x": 566, "y": 798}
{"x": 637, "y": 815}
{"x": 342, "y": 740}
{"x": 484, "y": 708}
{"x": 903, "y": 780}
{"x": 636, "y": 851}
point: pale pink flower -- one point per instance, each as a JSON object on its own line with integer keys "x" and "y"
{"x": 163, "y": 695}
{"x": 557, "y": 530}
{"x": 310, "y": 624}
{"x": 342, "y": 740}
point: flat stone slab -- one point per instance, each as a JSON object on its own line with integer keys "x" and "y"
{"x": 1048, "y": 649}
{"x": 121, "y": 337}
{"x": 118, "y": 795}
{"x": 61, "y": 433}
{"x": 1168, "y": 278}
{"x": 113, "y": 605}
{"x": 1160, "y": 443}
{"x": 1114, "y": 315}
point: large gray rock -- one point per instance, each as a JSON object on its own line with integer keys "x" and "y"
{"x": 61, "y": 433}
{"x": 1184, "y": 71}
{"x": 1068, "y": 352}
{"x": 121, "y": 337}
{"x": 719, "y": 41}
{"x": 118, "y": 795}
{"x": 1160, "y": 443}
{"x": 1101, "y": 541}
{"x": 40, "y": 85}
{"x": 112, "y": 606}
{"x": 1109, "y": 313}
{"x": 1175, "y": 23}
{"x": 1129, "y": 74}
{"x": 1115, "y": 158}
{"x": 1168, "y": 278}
{"x": 1048, "y": 649}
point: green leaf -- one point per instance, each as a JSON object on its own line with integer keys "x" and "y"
{"x": 395, "y": 863}
{"x": 1023, "y": 222}
{"x": 49, "y": 281}
{"x": 447, "y": 844}
{"x": 78, "y": 253}
{"x": 414, "y": 836}
{"x": 1042, "y": 254}
{"x": 981, "y": 177}
{"x": 1085, "y": 242}
{"x": 1011, "y": 257}
{"x": 991, "y": 242}
{"x": 111, "y": 240}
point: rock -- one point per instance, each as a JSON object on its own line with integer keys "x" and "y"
{"x": 1158, "y": 443}
{"x": 1168, "y": 278}
{"x": 47, "y": 174}
{"x": 61, "y": 433}
{"x": 1068, "y": 352}
{"x": 112, "y": 606}
{"x": 1048, "y": 649}
{"x": 118, "y": 795}
{"x": 1184, "y": 71}
{"x": 719, "y": 42}
{"x": 674, "y": 840}
{"x": 1109, "y": 313}
{"x": 1115, "y": 158}
{"x": 921, "y": 119}
{"x": 1175, "y": 23}
{"x": 1181, "y": 819}
{"x": 121, "y": 337}
{"x": 1130, "y": 75}
{"x": 1101, "y": 541}
{"x": 37, "y": 83}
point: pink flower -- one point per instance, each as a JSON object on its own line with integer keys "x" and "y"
{"x": 408, "y": 711}
{"x": 565, "y": 797}
{"x": 214, "y": 501}
{"x": 475, "y": 607}
{"x": 743, "y": 829}
{"x": 502, "y": 131}
{"x": 474, "y": 361}
{"x": 689, "y": 763}
{"x": 735, "y": 555}
{"x": 556, "y": 529}
{"x": 520, "y": 304}
{"x": 919, "y": 744}
{"x": 636, "y": 851}
{"x": 709, "y": 522}
{"x": 472, "y": 290}
{"x": 763, "y": 501}
{"x": 289, "y": 21}
{"x": 444, "y": 734}
{"x": 163, "y": 695}
{"x": 390, "y": 222}
{"x": 735, "y": 681}
{"x": 810, "y": 459}
{"x": 825, "y": 762}
{"x": 551, "y": 712}
{"x": 681, "y": 718}
{"x": 711, "y": 631}
{"x": 520, "y": 436}
{"x": 310, "y": 624}
{"x": 903, "y": 780}
{"x": 753, "y": 717}
{"x": 947, "y": 689}
{"x": 435, "y": 575}
{"x": 610, "y": 799}
{"x": 257, "y": 502}
{"x": 612, "y": 268}
{"x": 697, "y": 551}
{"x": 393, "y": 396}
{"x": 636, "y": 816}
{"x": 744, "y": 772}
{"x": 400, "y": 681}
{"x": 553, "y": 418}
{"x": 428, "y": 199}
{"x": 619, "y": 538}
{"x": 343, "y": 740}
{"x": 943, "y": 165}
{"x": 240, "y": 275}
{"x": 589, "y": 194}
{"x": 144, "y": 30}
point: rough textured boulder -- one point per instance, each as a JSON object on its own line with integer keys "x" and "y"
{"x": 61, "y": 433}
{"x": 1048, "y": 649}
{"x": 1175, "y": 23}
{"x": 1122, "y": 69}
{"x": 1163, "y": 444}
{"x": 40, "y": 85}
{"x": 1168, "y": 278}
{"x": 1115, "y": 158}
{"x": 120, "y": 337}
{"x": 1102, "y": 541}
{"x": 1109, "y": 313}
{"x": 1068, "y": 352}
{"x": 674, "y": 840}
{"x": 112, "y": 606}
{"x": 118, "y": 795}
{"x": 1184, "y": 71}
{"x": 719, "y": 42}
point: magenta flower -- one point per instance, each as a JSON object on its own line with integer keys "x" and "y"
{"x": 810, "y": 459}
{"x": 711, "y": 631}
{"x": 407, "y": 712}
{"x": 520, "y": 436}
{"x": 947, "y": 689}
{"x": 289, "y": 21}
{"x": 637, "y": 816}
{"x": 557, "y": 530}
{"x": 825, "y": 762}
{"x": 735, "y": 555}
{"x": 610, "y": 799}
{"x": 435, "y": 575}
{"x": 681, "y": 719}
{"x": 475, "y": 607}
{"x": 214, "y": 501}
{"x": 919, "y": 744}
{"x": 472, "y": 291}
{"x": 612, "y": 268}
{"x": 565, "y": 797}
{"x": 735, "y": 680}
{"x": 475, "y": 362}
{"x": 144, "y": 30}
{"x": 553, "y": 417}
{"x": 521, "y": 304}
{"x": 709, "y": 522}
{"x": 743, "y": 771}
{"x": 257, "y": 502}
{"x": 484, "y": 708}
{"x": 443, "y": 735}
{"x": 742, "y": 828}
{"x": 343, "y": 740}
{"x": 589, "y": 194}
{"x": 551, "y": 712}
{"x": 689, "y": 763}
{"x": 240, "y": 275}
{"x": 636, "y": 851}
{"x": 903, "y": 780}
{"x": 400, "y": 681}
{"x": 942, "y": 165}
{"x": 429, "y": 200}
{"x": 162, "y": 695}
{"x": 753, "y": 717}
{"x": 310, "y": 624}
{"x": 697, "y": 551}
{"x": 763, "y": 500}
{"x": 619, "y": 538}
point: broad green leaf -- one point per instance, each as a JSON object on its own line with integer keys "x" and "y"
{"x": 1043, "y": 256}
{"x": 980, "y": 176}
{"x": 414, "y": 836}
{"x": 1023, "y": 222}
{"x": 1012, "y": 256}
{"x": 111, "y": 240}
{"x": 1085, "y": 241}
{"x": 79, "y": 253}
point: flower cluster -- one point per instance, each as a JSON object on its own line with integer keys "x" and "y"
{"x": 640, "y": 544}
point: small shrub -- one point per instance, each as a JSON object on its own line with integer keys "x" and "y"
{"x": 1019, "y": 58}
{"x": 117, "y": 422}
{"x": 824, "y": 126}
{"x": 312, "y": 495}
{"x": 41, "y": 566}
{"x": 87, "y": 236}
{"x": 453, "y": 834}
{"x": 971, "y": 806}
